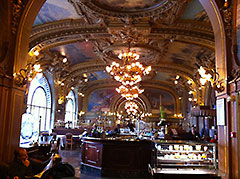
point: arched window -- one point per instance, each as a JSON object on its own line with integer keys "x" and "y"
{"x": 38, "y": 116}
{"x": 70, "y": 115}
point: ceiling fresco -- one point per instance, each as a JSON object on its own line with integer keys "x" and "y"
{"x": 183, "y": 54}
{"x": 127, "y": 5}
{"x": 77, "y": 52}
{"x": 162, "y": 76}
{"x": 98, "y": 75}
{"x": 54, "y": 10}
{"x": 192, "y": 9}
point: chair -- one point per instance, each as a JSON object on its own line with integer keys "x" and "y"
{"x": 69, "y": 140}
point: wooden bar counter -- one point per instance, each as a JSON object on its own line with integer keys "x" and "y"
{"x": 116, "y": 156}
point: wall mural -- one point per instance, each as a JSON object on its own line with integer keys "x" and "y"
{"x": 77, "y": 52}
{"x": 54, "y": 10}
{"x": 100, "y": 100}
{"x": 156, "y": 96}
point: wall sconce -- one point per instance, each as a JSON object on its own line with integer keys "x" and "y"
{"x": 27, "y": 74}
{"x": 213, "y": 77}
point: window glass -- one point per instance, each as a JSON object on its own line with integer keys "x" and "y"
{"x": 38, "y": 111}
{"x": 70, "y": 116}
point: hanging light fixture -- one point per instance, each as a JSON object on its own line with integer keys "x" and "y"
{"x": 131, "y": 72}
{"x": 129, "y": 92}
{"x": 131, "y": 107}
{"x": 128, "y": 74}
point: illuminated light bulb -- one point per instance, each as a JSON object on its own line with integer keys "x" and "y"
{"x": 202, "y": 71}
{"x": 117, "y": 78}
{"x": 203, "y": 81}
{"x": 37, "y": 67}
{"x": 190, "y": 92}
{"x": 175, "y": 82}
{"x": 189, "y": 82}
{"x": 36, "y": 53}
{"x": 208, "y": 77}
{"x": 177, "y": 77}
{"x": 65, "y": 60}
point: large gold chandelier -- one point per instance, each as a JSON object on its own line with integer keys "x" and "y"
{"x": 129, "y": 92}
{"x": 129, "y": 74}
{"x": 131, "y": 107}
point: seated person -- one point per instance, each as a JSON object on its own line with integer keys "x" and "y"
{"x": 193, "y": 134}
{"x": 204, "y": 133}
{"x": 21, "y": 166}
{"x": 131, "y": 126}
{"x": 117, "y": 130}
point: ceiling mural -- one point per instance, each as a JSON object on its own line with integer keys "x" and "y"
{"x": 77, "y": 52}
{"x": 100, "y": 100}
{"x": 162, "y": 76}
{"x": 98, "y": 75}
{"x": 183, "y": 54}
{"x": 55, "y": 10}
{"x": 192, "y": 9}
{"x": 127, "y": 5}
{"x": 160, "y": 97}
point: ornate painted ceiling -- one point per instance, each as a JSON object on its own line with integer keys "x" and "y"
{"x": 175, "y": 37}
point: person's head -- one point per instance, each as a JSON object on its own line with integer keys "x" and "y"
{"x": 193, "y": 130}
{"x": 118, "y": 126}
{"x": 20, "y": 154}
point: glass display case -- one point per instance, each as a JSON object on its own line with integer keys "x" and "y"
{"x": 184, "y": 157}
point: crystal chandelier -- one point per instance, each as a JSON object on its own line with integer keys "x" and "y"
{"x": 129, "y": 74}
{"x": 129, "y": 92}
{"x": 131, "y": 107}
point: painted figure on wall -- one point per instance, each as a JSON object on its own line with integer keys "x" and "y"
{"x": 160, "y": 99}
{"x": 100, "y": 100}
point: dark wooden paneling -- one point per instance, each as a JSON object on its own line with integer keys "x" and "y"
{"x": 112, "y": 156}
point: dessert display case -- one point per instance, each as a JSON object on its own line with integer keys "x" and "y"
{"x": 184, "y": 157}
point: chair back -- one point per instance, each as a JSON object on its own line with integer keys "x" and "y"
{"x": 69, "y": 136}
{"x": 69, "y": 140}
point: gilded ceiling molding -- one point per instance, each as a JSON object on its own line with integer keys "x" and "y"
{"x": 183, "y": 32}
{"x": 53, "y": 33}
{"x": 69, "y": 31}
